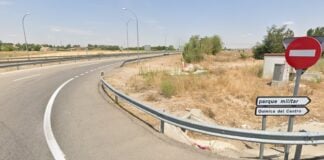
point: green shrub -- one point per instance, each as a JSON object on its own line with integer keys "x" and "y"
{"x": 272, "y": 42}
{"x": 196, "y": 47}
{"x": 167, "y": 88}
{"x": 244, "y": 56}
{"x": 192, "y": 51}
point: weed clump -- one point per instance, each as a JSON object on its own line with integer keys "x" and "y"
{"x": 167, "y": 88}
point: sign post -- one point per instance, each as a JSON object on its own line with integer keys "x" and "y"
{"x": 291, "y": 118}
{"x": 279, "y": 106}
{"x": 264, "y": 123}
{"x": 301, "y": 53}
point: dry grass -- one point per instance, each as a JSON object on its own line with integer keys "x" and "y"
{"x": 226, "y": 93}
{"x": 319, "y": 66}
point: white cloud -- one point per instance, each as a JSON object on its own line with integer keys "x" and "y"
{"x": 75, "y": 31}
{"x": 247, "y": 35}
{"x": 152, "y": 21}
{"x": 288, "y": 23}
{"x": 5, "y": 2}
{"x": 55, "y": 29}
{"x": 12, "y": 35}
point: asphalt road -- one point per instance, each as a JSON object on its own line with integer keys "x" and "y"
{"x": 84, "y": 123}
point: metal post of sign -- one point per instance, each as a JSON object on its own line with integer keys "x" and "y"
{"x": 264, "y": 122}
{"x": 291, "y": 118}
{"x": 299, "y": 149}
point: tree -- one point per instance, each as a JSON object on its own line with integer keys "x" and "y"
{"x": 211, "y": 45}
{"x": 217, "y": 44}
{"x": 171, "y": 48}
{"x": 318, "y": 31}
{"x": 0, "y": 45}
{"x": 192, "y": 52}
{"x": 196, "y": 47}
{"x": 272, "y": 42}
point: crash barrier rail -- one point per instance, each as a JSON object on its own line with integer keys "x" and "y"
{"x": 258, "y": 136}
{"x": 22, "y": 61}
{"x": 143, "y": 58}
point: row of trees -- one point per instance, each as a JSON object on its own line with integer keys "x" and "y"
{"x": 38, "y": 47}
{"x": 153, "y": 48}
{"x": 162, "y": 48}
{"x": 19, "y": 47}
{"x": 195, "y": 49}
{"x": 103, "y": 47}
{"x": 272, "y": 42}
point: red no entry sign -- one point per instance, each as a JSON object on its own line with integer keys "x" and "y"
{"x": 303, "y": 52}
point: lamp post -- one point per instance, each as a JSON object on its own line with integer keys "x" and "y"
{"x": 126, "y": 9}
{"x": 23, "y": 26}
{"x": 127, "y": 45}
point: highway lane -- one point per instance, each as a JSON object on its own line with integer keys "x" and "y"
{"x": 23, "y": 98}
{"x": 85, "y": 125}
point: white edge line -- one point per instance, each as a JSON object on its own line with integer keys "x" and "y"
{"x": 49, "y": 136}
{"x": 47, "y": 126}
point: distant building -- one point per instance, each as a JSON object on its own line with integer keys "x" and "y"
{"x": 275, "y": 67}
{"x": 45, "y": 49}
{"x": 147, "y": 48}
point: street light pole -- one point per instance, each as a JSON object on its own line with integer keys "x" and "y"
{"x": 127, "y": 44}
{"x": 126, "y": 9}
{"x": 23, "y": 25}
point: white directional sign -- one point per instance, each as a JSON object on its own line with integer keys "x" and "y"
{"x": 281, "y": 111}
{"x": 282, "y": 101}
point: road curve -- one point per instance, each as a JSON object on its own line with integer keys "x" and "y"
{"x": 84, "y": 124}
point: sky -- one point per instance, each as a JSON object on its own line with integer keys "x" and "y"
{"x": 240, "y": 23}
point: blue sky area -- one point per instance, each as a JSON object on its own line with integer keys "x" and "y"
{"x": 240, "y": 23}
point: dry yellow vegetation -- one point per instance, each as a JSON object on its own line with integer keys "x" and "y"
{"x": 226, "y": 93}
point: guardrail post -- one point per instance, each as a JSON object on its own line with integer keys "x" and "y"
{"x": 102, "y": 73}
{"x": 116, "y": 99}
{"x": 18, "y": 67}
{"x": 162, "y": 126}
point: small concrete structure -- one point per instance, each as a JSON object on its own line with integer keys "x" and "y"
{"x": 275, "y": 67}
{"x": 147, "y": 48}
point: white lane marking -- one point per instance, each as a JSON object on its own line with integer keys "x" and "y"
{"x": 81, "y": 74}
{"x": 47, "y": 126}
{"x": 27, "y": 77}
{"x": 76, "y": 76}
{"x": 302, "y": 53}
{"x": 49, "y": 136}
{"x": 86, "y": 72}
{"x": 88, "y": 64}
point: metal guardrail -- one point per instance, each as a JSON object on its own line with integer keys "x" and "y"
{"x": 143, "y": 58}
{"x": 258, "y": 136}
{"x": 21, "y": 61}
